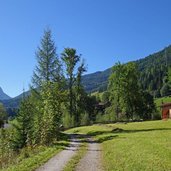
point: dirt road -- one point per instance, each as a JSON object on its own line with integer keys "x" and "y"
{"x": 92, "y": 160}
{"x": 58, "y": 162}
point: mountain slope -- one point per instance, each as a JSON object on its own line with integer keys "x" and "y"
{"x": 153, "y": 69}
{"x": 96, "y": 81}
{"x": 153, "y": 73}
{"x": 14, "y": 102}
{"x": 3, "y": 96}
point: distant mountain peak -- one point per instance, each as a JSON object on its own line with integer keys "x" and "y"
{"x": 3, "y": 96}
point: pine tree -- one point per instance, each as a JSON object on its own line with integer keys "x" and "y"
{"x": 49, "y": 67}
{"x": 48, "y": 90}
{"x": 23, "y": 125}
{"x": 3, "y": 115}
{"x": 37, "y": 109}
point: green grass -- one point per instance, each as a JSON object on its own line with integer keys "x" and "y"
{"x": 133, "y": 146}
{"x": 29, "y": 160}
{"x": 71, "y": 165}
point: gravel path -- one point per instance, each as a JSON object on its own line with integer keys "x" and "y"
{"x": 58, "y": 162}
{"x": 92, "y": 160}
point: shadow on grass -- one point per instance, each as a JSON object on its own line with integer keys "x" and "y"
{"x": 63, "y": 141}
{"x": 106, "y": 138}
{"x": 107, "y": 135}
{"x": 120, "y": 130}
{"x": 61, "y": 145}
{"x": 63, "y": 136}
{"x": 84, "y": 138}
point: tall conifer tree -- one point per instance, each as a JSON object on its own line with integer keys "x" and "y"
{"x": 48, "y": 68}
{"x": 47, "y": 79}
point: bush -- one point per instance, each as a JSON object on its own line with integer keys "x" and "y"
{"x": 156, "y": 115}
{"x": 107, "y": 117}
{"x": 7, "y": 155}
{"x": 67, "y": 120}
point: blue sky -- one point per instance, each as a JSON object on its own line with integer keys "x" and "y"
{"x": 103, "y": 31}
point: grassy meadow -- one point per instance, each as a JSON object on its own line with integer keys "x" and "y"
{"x": 133, "y": 146}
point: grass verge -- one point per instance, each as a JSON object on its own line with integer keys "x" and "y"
{"x": 31, "y": 159}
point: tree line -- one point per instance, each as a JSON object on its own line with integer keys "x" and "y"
{"x": 57, "y": 96}
{"x": 124, "y": 98}
{"x": 125, "y": 94}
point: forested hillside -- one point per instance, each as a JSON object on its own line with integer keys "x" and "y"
{"x": 153, "y": 71}
{"x": 153, "y": 76}
{"x": 96, "y": 81}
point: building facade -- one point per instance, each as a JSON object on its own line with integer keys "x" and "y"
{"x": 166, "y": 110}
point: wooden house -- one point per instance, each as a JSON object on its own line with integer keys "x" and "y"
{"x": 100, "y": 107}
{"x": 166, "y": 110}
